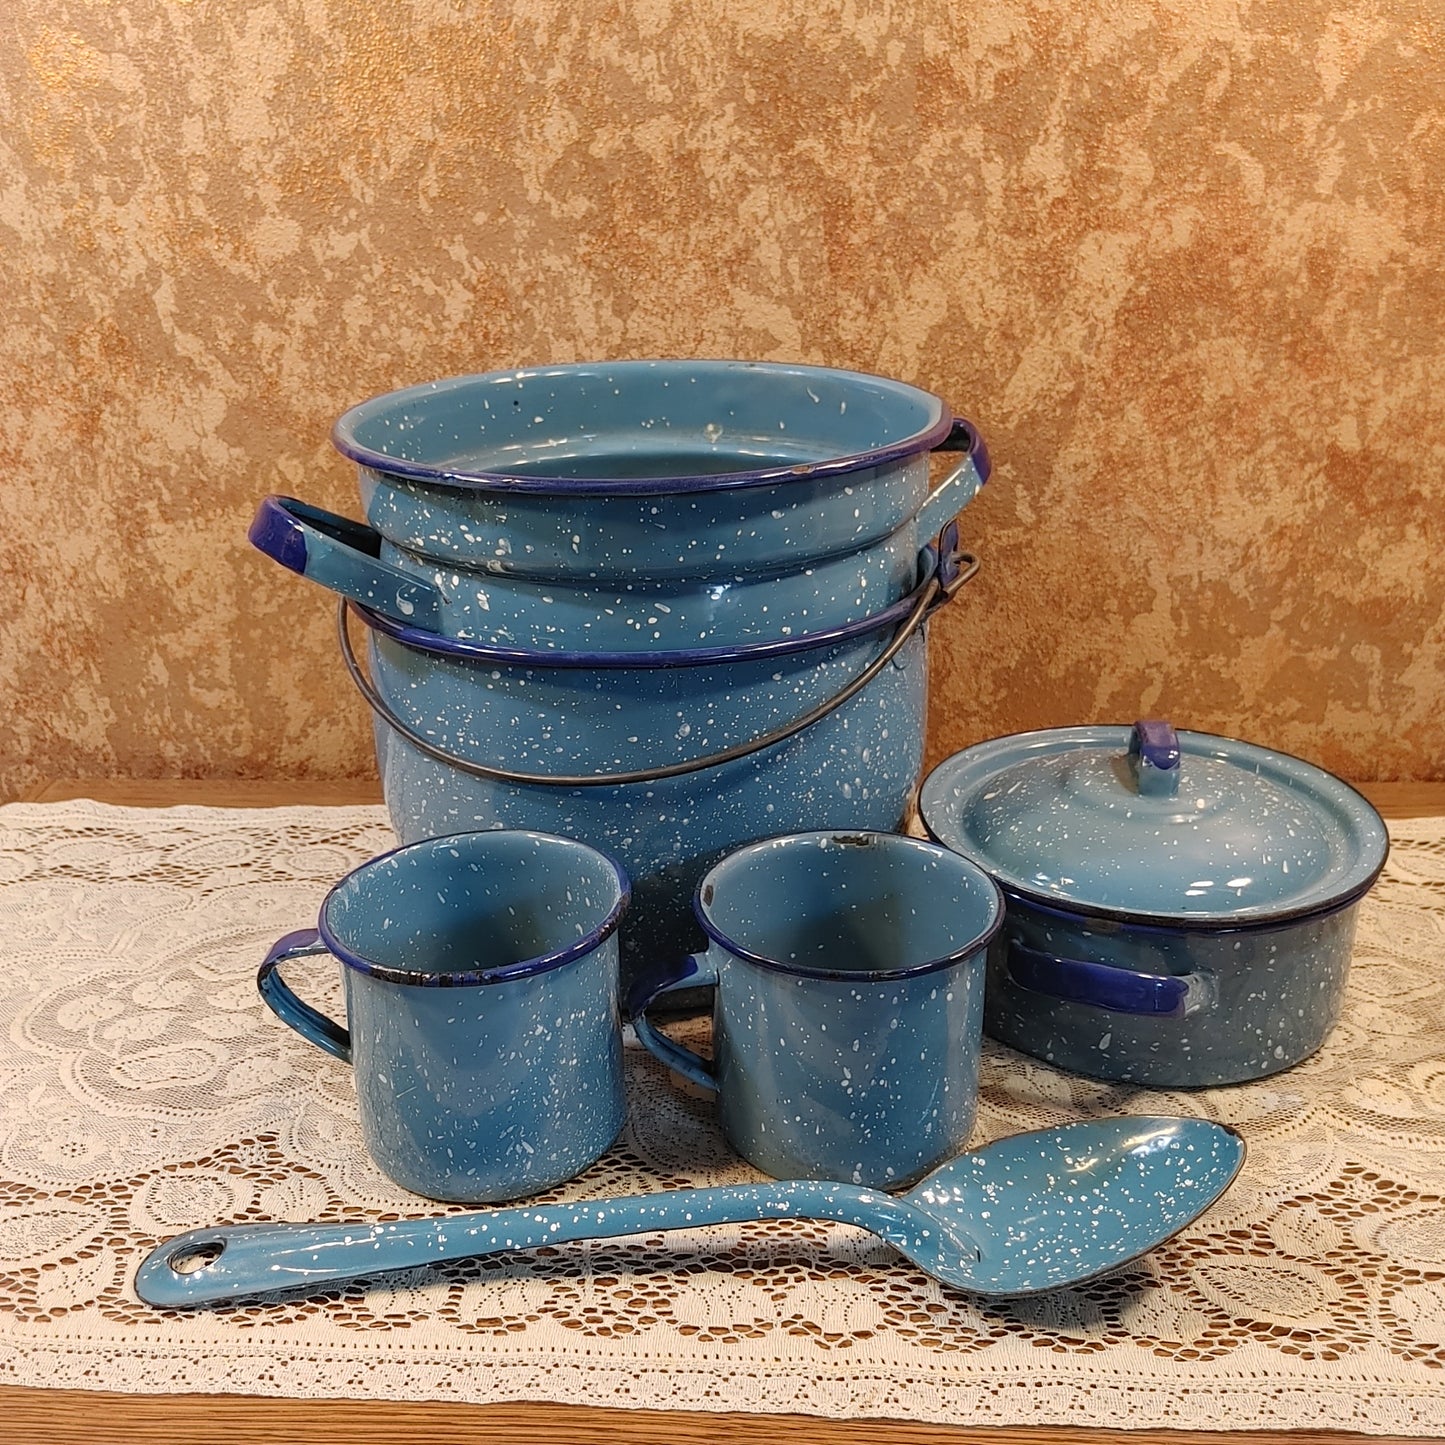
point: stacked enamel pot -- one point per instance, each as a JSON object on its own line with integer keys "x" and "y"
{"x": 664, "y": 607}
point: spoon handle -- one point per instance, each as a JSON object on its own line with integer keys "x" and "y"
{"x": 221, "y": 1262}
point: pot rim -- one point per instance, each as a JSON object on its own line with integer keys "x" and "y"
{"x": 924, "y": 439}
{"x": 1181, "y": 923}
{"x": 472, "y": 978}
{"x": 473, "y": 650}
{"x": 1262, "y": 918}
{"x": 955, "y": 956}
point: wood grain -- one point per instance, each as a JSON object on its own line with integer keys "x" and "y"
{"x": 43, "y": 1417}
{"x": 100, "y": 1418}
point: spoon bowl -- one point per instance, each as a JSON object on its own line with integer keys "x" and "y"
{"x": 1027, "y": 1214}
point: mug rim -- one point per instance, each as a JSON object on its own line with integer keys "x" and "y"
{"x": 468, "y": 978}
{"x": 870, "y": 975}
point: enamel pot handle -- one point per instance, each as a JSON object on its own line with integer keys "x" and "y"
{"x": 1078, "y": 980}
{"x": 691, "y": 971}
{"x": 310, "y": 1023}
{"x": 942, "y": 579}
{"x": 962, "y": 484}
{"x": 345, "y": 557}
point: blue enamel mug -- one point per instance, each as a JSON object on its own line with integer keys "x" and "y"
{"x": 483, "y": 1030}
{"x": 848, "y": 1003}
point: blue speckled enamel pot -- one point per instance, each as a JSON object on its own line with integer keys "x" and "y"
{"x": 481, "y": 987}
{"x": 856, "y": 767}
{"x": 582, "y": 580}
{"x": 634, "y": 505}
{"x": 848, "y": 1008}
{"x": 1181, "y": 907}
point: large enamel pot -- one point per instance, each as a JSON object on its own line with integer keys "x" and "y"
{"x": 1181, "y": 907}
{"x": 666, "y": 761}
{"x": 634, "y": 505}
{"x": 665, "y": 607}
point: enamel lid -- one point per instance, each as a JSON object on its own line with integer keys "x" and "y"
{"x": 1146, "y": 823}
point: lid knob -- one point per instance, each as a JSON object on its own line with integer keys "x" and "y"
{"x": 1154, "y": 758}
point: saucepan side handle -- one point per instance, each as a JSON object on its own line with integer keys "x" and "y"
{"x": 1102, "y": 985}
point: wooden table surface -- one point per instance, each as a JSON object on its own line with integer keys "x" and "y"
{"x": 64, "y": 1416}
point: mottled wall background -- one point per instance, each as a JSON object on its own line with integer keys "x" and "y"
{"x": 1182, "y": 261}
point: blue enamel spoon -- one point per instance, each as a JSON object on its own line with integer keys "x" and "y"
{"x": 1030, "y": 1213}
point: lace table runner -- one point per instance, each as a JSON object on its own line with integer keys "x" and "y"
{"x": 144, "y": 1090}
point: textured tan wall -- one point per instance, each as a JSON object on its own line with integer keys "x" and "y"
{"x": 1182, "y": 261}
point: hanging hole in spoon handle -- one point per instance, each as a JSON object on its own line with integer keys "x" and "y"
{"x": 174, "y": 1271}
{"x": 189, "y": 1258}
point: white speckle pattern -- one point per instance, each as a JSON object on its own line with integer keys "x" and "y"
{"x": 1249, "y": 835}
{"x": 483, "y": 1089}
{"x": 852, "y": 1068}
{"x": 636, "y": 561}
{"x": 1028, "y": 1214}
{"x": 1251, "y": 987}
{"x": 729, "y": 564}
{"x": 665, "y": 833}
{"x": 1251, "y": 1009}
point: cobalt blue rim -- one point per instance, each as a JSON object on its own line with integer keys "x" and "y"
{"x": 1145, "y": 923}
{"x": 1261, "y": 918}
{"x": 845, "y": 975}
{"x": 472, "y": 978}
{"x": 947, "y": 429}
{"x": 420, "y": 640}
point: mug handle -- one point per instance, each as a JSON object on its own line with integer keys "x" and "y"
{"x": 310, "y": 1023}
{"x": 693, "y": 971}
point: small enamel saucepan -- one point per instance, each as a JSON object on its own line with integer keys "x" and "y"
{"x": 1030, "y": 1213}
{"x": 1181, "y": 907}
